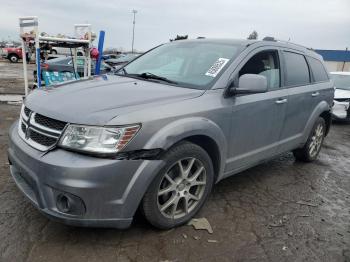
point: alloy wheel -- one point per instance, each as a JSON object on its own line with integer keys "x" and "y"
{"x": 316, "y": 140}
{"x": 181, "y": 188}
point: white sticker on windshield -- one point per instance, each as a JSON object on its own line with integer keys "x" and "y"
{"x": 216, "y": 67}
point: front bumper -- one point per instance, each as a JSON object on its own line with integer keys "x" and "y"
{"x": 341, "y": 111}
{"x": 104, "y": 192}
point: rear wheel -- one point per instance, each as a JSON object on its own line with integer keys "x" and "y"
{"x": 312, "y": 148}
{"x": 13, "y": 58}
{"x": 180, "y": 188}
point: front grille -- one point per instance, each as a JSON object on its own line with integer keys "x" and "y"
{"x": 23, "y": 127}
{"x": 41, "y": 132}
{"x": 26, "y": 111}
{"x": 342, "y": 99}
{"x": 49, "y": 122}
{"x": 42, "y": 139}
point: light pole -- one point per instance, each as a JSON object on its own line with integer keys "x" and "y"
{"x": 133, "y": 31}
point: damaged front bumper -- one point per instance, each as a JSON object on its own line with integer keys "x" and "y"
{"x": 78, "y": 189}
{"x": 341, "y": 110}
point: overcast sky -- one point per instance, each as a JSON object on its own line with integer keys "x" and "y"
{"x": 321, "y": 24}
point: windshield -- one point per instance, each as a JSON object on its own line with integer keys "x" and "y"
{"x": 185, "y": 63}
{"x": 341, "y": 81}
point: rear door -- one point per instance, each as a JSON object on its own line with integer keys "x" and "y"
{"x": 320, "y": 81}
{"x": 257, "y": 119}
{"x": 301, "y": 98}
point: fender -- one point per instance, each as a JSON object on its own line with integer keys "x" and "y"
{"x": 187, "y": 127}
{"x": 323, "y": 106}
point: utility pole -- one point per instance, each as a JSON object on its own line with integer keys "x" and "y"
{"x": 133, "y": 31}
{"x": 346, "y": 49}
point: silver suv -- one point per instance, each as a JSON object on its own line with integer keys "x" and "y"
{"x": 160, "y": 132}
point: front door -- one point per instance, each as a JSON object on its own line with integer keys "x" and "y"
{"x": 257, "y": 119}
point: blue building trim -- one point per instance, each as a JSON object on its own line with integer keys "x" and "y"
{"x": 334, "y": 55}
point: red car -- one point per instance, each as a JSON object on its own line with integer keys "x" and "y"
{"x": 12, "y": 53}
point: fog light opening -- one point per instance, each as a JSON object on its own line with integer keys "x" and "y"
{"x": 63, "y": 203}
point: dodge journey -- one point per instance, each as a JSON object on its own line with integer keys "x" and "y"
{"x": 160, "y": 132}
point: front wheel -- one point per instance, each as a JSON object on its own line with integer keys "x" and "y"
{"x": 13, "y": 58}
{"x": 312, "y": 148}
{"x": 180, "y": 188}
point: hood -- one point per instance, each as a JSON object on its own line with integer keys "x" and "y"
{"x": 97, "y": 101}
{"x": 341, "y": 94}
{"x": 11, "y": 49}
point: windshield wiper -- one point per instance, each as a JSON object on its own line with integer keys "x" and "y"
{"x": 148, "y": 75}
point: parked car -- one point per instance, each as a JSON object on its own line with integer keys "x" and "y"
{"x": 109, "y": 56}
{"x": 121, "y": 60}
{"x": 169, "y": 125}
{"x": 341, "y": 108}
{"x": 65, "y": 64}
{"x": 14, "y": 54}
{"x": 65, "y": 51}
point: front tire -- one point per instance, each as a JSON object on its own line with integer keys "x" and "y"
{"x": 310, "y": 151}
{"x": 13, "y": 58}
{"x": 181, "y": 188}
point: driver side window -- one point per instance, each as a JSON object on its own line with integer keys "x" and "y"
{"x": 265, "y": 63}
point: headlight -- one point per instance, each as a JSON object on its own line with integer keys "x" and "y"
{"x": 104, "y": 140}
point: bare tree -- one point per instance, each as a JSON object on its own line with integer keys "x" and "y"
{"x": 253, "y": 35}
{"x": 179, "y": 37}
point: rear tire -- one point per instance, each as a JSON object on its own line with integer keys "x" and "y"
{"x": 310, "y": 151}
{"x": 13, "y": 58}
{"x": 181, "y": 187}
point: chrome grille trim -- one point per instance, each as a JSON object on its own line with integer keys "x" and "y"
{"x": 23, "y": 115}
{"x": 36, "y": 124}
{"x": 46, "y": 135}
{"x": 49, "y": 122}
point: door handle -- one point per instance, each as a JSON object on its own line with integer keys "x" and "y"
{"x": 315, "y": 94}
{"x": 281, "y": 101}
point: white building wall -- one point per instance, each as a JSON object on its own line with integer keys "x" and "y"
{"x": 337, "y": 66}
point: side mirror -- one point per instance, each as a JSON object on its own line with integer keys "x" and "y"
{"x": 251, "y": 84}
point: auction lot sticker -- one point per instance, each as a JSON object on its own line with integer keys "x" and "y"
{"x": 216, "y": 67}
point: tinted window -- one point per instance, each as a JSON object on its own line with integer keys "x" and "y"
{"x": 297, "y": 71}
{"x": 265, "y": 63}
{"x": 318, "y": 70}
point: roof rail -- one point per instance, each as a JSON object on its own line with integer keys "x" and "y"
{"x": 270, "y": 38}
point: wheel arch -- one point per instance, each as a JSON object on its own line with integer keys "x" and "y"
{"x": 327, "y": 116}
{"x": 321, "y": 110}
{"x": 200, "y": 131}
{"x": 212, "y": 149}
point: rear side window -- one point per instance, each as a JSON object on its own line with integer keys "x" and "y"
{"x": 297, "y": 71}
{"x": 318, "y": 70}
